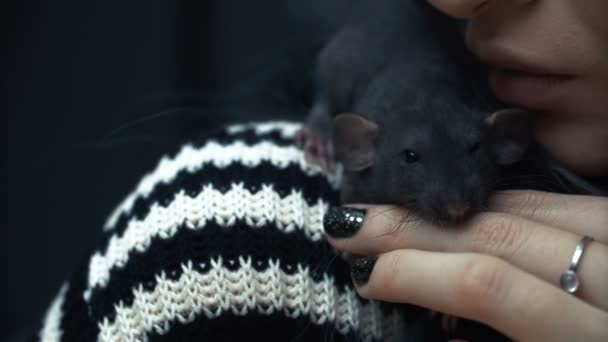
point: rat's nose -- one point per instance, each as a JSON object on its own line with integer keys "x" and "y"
{"x": 457, "y": 213}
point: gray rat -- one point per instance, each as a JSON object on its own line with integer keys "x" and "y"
{"x": 405, "y": 108}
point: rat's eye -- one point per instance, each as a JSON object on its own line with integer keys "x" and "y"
{"x": 474, "y": 147}
{"x": 410, "y": 156}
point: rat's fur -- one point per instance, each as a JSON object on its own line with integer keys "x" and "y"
{"x": 401, "y": 70}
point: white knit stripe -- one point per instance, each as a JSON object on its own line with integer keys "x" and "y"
{"x": 242, "y": 292}
{"x": 266, "y": 206}
{"x": 51, "y": 326}
{"x": 194, "y": 159}
{"x": 286, "y": 129}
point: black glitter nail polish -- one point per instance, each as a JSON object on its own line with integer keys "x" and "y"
{"x": 341, "y": 222}
{"x": 361, "y": 269}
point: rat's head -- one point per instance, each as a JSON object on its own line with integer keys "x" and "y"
{"x": 443, "y": 172}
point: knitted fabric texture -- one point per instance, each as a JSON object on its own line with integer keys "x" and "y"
{"x": 222, "y": 241}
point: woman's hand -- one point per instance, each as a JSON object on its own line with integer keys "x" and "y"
{"x": 502, "y": 267}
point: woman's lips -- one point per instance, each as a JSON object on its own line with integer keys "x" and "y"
{"x": 531, "y": 90}
{"x": 522, "y": 81}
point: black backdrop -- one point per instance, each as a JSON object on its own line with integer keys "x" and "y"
{"x": 93, "y": 92}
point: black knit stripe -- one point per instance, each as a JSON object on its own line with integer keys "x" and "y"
{"x": 242, "y": 291}
{"x": 253, "y": 327}
{"x": 213, "y": 241}
{"x": 264, "y": 207}
{"x": 284, "y": 181}
{"x": 282, "y": 133}
{"x": 76, "y": 322}
{"x": 191, "y": 160}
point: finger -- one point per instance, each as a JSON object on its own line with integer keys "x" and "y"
{"x": 534, "y": 247}
{"x": 582, "y": 215}
{"x": 485, "y": 289}
{"x": 381, "y": 228}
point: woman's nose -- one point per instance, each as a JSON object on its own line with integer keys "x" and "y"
{"x": 470, "y": 8}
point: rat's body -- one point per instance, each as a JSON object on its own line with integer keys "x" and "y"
{"x": 404, "y": 107}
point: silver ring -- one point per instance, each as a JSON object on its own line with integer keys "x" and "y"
{"x": 569, "y": 280}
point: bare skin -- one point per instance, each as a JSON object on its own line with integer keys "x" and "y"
{"x": 502, "y": 267}
{"x": 563, "y": 37}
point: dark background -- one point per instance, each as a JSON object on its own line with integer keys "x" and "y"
{"x": 92, "y": 93}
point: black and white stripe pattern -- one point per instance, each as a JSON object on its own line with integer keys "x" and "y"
{"x": 262, "y": 245}
{"x": 227, "y": 230}
{"x": 192, "y": 159}
{"x": 241, "y": 292}
{"x": 255, "y": 209}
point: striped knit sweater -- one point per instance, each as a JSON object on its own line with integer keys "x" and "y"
{"x": 222, "y": 241}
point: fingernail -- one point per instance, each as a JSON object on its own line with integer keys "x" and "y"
{"x": 343, "y": 222}
{"x": 361, "y": 269}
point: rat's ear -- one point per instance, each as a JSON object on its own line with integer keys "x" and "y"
{"x": 510, "y": 134}
{"x": 354, "y": 141}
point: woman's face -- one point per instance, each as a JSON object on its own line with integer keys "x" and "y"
{"x": 549, "y": 55}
